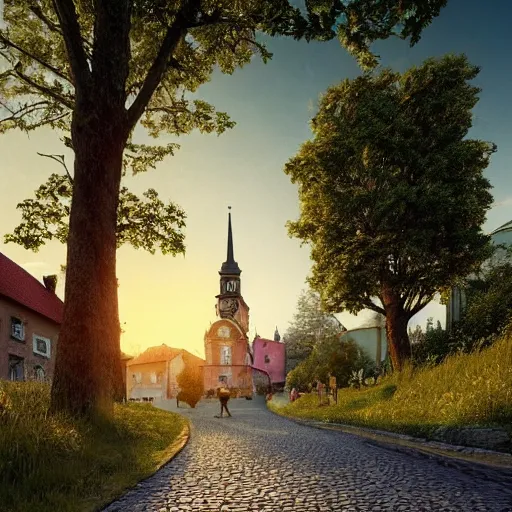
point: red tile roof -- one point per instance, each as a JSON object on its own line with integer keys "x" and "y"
{"x": 159, "y": 354}
{"x": 155, "y": 355}
{"x": 18, "y": 285}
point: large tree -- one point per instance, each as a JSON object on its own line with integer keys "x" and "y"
{"x": 92, "y": 69}
{"x": 392, "y": 191}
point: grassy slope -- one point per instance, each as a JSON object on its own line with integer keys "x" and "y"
{"x": 466, "y": 390}
{"x": 54, "y": 464}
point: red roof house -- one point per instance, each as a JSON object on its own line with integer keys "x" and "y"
{"x": 30, "y": 317}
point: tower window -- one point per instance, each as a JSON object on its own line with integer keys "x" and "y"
{"x": 225, "y": 355}
{"x": 267, "y": 359}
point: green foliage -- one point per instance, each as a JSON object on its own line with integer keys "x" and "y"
{"x": 465, "y": 390}
{"x": 38, "y": 83}
{"x": 54, "y": 462}
{"x": 146, "y": 223}
{"x": 432, "y": 347}
{"x": 487, "y": 317}
{"x": 331, "y": 356}
{"x": 310, "y": 326}
{"x": 488, "y": 310}
{"x": 392, "y": 191}
{"x": 191, "y": 382}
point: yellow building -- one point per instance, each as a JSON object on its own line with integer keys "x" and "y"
{"x": 152, "y": 374}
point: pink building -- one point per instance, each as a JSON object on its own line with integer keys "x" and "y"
{"x": 270, "y": 355}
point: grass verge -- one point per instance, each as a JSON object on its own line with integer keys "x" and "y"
{"x": 55, "y": 463}
{"x": 466, "y": 390}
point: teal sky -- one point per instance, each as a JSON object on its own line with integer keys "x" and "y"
{"x": 171, "y": 300}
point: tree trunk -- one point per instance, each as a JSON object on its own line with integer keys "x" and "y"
{"x": 88, "y": 371}
{"x": 399, "y": 345}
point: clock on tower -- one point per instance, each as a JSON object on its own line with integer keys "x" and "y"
{"x": 230, "y": 301}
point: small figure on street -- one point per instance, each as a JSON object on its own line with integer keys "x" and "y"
{"x": 224, "y": 395}
{"x": 293, "y": 395}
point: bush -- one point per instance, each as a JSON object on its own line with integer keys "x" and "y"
{"x": 433, "y": 348}
{"x": 334, "y": 356}
{"x": 191, "y": 383}
{"x": 488, "y": 310}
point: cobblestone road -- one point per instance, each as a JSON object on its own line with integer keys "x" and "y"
{"x": 258, "y": 461}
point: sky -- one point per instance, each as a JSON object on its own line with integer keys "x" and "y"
{"x": 165, "y": 299}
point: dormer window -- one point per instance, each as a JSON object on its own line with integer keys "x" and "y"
{"x": 17, "y": 329}
{"x": 42, "y": 346}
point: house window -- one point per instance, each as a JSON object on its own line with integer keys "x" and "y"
{"x": 152, "y": 378}
{"x": 137, "y": 377}
{"x": 42, "y": 346}
{"x": 39, "y": 373}
{"x": 16, "y": 369}
{"x": 17, "y": 329}
{"x": 225, "y": 355}
{"x": 267, "y": 359}
{"x": 159, "y": 377}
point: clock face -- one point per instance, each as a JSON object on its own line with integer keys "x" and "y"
{"x": 228, "y": 307}
{"x": 224, "y": 332}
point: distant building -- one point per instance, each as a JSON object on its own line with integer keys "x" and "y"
{"x": 372, "y": 340}
{"x": 456, "y": 305}
{"x": 270, "y": 356}
{"x": 125, "y": 358}
{"x": 152, "y": 374}
{"x": 30, "y": 318}
{"x": 226, "y": 344}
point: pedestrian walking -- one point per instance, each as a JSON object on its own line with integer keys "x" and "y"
{"x": 224, "y": 395}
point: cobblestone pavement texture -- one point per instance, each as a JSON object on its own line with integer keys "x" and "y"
{"x": 257, "y": 461}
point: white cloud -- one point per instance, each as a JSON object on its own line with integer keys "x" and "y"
{"x": 507, "y": 201}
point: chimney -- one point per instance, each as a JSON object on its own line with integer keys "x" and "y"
{"x": 50, "y": 283}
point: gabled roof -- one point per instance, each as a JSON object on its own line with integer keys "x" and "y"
{"x": 155, "y": 355}
{"x": 160, "y": 354}
{"x": 193, "y": 357}
{"x": 21, "y": 287}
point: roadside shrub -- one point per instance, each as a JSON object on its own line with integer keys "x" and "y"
{"x": 191, "y": 383}
{"x": 336, "y": 357}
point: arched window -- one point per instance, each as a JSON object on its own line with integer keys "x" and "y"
{"x": 39, "y": 373}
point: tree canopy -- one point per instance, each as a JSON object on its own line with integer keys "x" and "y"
{"x": 392, "y": 191}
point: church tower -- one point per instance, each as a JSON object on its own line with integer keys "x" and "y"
{"x": 226, "y": 345}
{"x": 230, "y": 303}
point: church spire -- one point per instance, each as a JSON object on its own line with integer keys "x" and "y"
{"x": 230, "y": 266}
